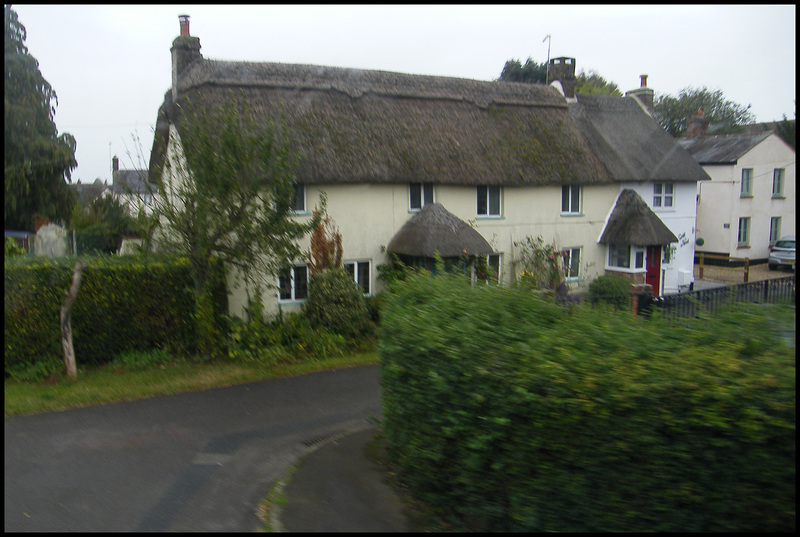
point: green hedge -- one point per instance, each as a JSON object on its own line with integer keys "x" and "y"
{"x": 507, "y": 412}
{"x": 124, "y": 304}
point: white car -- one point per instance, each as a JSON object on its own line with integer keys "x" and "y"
{"x": 782, "y": 253}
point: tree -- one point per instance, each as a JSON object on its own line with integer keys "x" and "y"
{"x": 101, "y": 224}
{"x": 326, "y": 246}
{"x": 726, "y": 117}
{"x": 531, "y": 73}
{"x": 536, "y": 73}
{"x": 37, "y": 159}
{"x": 593, "y": 84}
{"x": 229, "y": 200}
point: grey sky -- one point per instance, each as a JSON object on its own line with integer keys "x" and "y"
{"x": 110, "y": 65}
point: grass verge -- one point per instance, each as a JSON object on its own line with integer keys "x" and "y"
{"x": 103, "y": 385}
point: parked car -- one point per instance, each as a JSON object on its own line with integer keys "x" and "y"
{"x": 782, "y": 253}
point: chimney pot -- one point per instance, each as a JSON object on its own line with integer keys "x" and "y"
{"x": 184, "y": 24}
{"x": 643, "y": 78}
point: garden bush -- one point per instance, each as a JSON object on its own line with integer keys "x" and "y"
{"x": 335, "y": 302}
{"x": 506, "y": 412}
{"x": 124, "y": 304}
{"x": 611, "y": 289}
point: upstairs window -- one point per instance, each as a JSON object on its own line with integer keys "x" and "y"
{"x": 777, "y": 183}
{"x": 299, "y": 200}
{"x": 571, "y": 199}
{"x": 419, "y": 195}
{"x": 489, "y": 201}
{"x": 663, "y": 195}
{"x": 747, "y": 182}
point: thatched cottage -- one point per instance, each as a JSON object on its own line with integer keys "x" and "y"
{"x": 595, "y": 174}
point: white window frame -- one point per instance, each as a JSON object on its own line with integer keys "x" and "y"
{"x": 774, "y": 229}
{"x": 354, "y": 265}
{"x": 569, "y": 193}
{"x": 295, "y": 209}
{"x": 292, "y": 284}
{"x": 743, "y": 236}
{"x": 778, "y": 176}
{"x": 488, "y": 189}
{"x": 661, "y": 198}
{"x": 746, "y": 190}
{"x": 633, "y": 253}
{"x": 417, "y": 205}
{"x": 569, "y": 255}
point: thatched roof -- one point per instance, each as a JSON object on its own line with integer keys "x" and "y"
{"x": 354, "y": 126}
{"x": 435, "y": 229}
{"x": 631, "y": 145}
{"x": 633, "y": 222}
{"x": 723, "y": 148}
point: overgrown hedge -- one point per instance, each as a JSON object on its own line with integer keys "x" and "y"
{"x": 507, "y": 412}
{"x": 124, "y": 304}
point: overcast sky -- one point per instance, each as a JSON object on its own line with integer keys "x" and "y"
{"x": 110, "y": 65}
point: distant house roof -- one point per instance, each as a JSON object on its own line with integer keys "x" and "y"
{"x": 132, "y": 182}
{"x": 435, "y": 229}
{"x": 631, "y": 145}
{"x": 721, "y": 148}
{"x": 90, "y": 191}
{"x": 633, "y": 222}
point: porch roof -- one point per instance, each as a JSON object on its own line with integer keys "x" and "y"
{"x": 633, "y": 222}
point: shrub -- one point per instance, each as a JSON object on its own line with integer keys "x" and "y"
{"x": 335, "y": 302}
{"x": 612, "y": 289}
{"x": 133, "y": 360}
{"x": 521, "y": 415}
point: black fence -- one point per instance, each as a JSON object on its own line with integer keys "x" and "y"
{"x": 780, "y": 290}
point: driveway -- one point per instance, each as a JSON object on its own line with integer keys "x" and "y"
{"x": 193, "y": 462}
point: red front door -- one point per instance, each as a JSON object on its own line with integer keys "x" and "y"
{"x": 654, "y": 268}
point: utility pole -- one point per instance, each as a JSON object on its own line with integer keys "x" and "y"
{"x": 547, "y": 69}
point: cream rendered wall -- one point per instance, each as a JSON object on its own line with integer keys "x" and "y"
{"x": 721, "y": 202}
{"x": 681, "y": 220}
{"x": 369, "y": 215}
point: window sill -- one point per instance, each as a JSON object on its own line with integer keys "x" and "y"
{"x": 300, "y": 213}
{"x": 742, "y": 246}
{"x": 627, "y": 270}
{"x": 572, "y": 215}
{"x": 290, "y": 302}
{"x": 490, "y": 217}
{"x": 745, "y": 196}
{"x": 778, "y": 197}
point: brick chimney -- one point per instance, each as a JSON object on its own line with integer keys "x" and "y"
{"x": 643, "y": 94}
{"x": 562, "y": 70}
{"x": 697, "y": 124}
{"x": 114, "y": 165}
{"x": 185, "y": 50}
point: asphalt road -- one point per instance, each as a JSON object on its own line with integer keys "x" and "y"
{"x": 192, "y": 462}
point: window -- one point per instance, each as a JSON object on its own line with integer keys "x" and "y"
{"x": 747, "y": 182}
{"x": 774, "y": 229}
{"x": 571, "y": 199}
{"x": 663, "y": 194}
{"x": 488, "y": 270}
{"x": 777, "y": 183}
{"x": 419, "y": 195}
{"x": 299, "y": 200}
{"x": 489, "y": 201}
{"x": 619, "y": 256}
{"x": 359, "y": 270}
{"x": 572, "y": 262}
{"x": 744, "y": 231}
{"x": 293, "y": 283}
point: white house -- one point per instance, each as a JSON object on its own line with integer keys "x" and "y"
{"x": 594, "y": 174}
{"x": 133, "y": 188}
{"x": 750, "y": 201}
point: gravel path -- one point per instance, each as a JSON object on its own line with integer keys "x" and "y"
{"x": 736, "y": 275}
